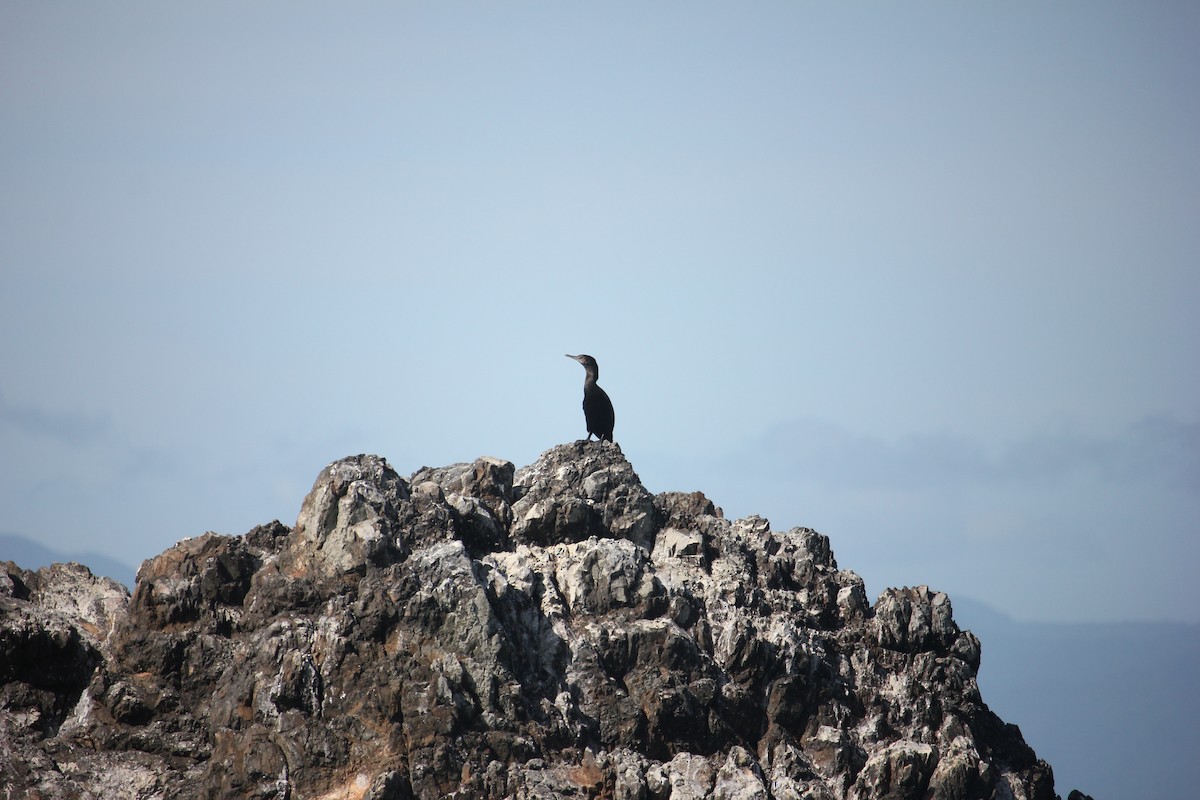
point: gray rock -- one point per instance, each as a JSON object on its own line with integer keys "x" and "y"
{"x": 577, "y": 491}
{"x": 351, "y": 518}
{"x": 480, "y": 631}
{"x": 740, "y": 778}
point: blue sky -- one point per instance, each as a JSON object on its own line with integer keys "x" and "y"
{"x": 922, "y": 277}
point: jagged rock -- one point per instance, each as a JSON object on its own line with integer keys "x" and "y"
{"x": 914, "y": 620}
{"x": 480, "y": 631}
{"x": 577, "y": 491}
{"x": 207, "y": 576}
{"x": 350, "y": 520}
{"x": 740, "y": 778}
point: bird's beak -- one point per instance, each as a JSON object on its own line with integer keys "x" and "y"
{"x": 568, "y": 355}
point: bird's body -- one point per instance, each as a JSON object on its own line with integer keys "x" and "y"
{"x": 597, "y": 408}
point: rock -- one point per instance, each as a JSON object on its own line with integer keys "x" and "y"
{"x": 740, "y": 778}
{"x": 351, "y": 518}
{"x": 481, "y": 493}
{"x": 914, "y": 620}
{"x": 690, "y": 777}
{"x": 577, "y": 491}
{"x": 207, "y": 577}
{"x": 674, "y": 543}
{"x": 480, "y": 631}
{"x": 490, "y": 480}
{"x": 899, "y": 771}
{"x": 599, "y": 575}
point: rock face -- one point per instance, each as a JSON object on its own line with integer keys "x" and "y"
{"x": 475, "y": 631}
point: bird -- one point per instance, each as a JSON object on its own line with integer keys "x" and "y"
{"x": 597, "y": 408}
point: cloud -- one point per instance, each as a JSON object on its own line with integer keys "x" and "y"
{"x": 1052, "y": 525}
{"x": 66, "y": 427}
{"x": 1163, "y": 447}
{"x": 825, "y": 453}
{"x": 1160, "y": 451}
{"x": 1155, "y": 451}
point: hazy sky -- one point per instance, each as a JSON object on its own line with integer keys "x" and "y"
{"x": 925, "y": 277}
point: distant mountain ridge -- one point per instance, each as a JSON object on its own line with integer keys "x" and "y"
{"x": 1111, "y": 705}
{"x": 32, "y": 555}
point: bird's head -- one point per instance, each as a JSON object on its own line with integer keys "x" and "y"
{"x": 586, "y": 360}
{"x": 589, "y": 363}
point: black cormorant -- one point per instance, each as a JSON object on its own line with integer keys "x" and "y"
{"x": 597, "y": 408}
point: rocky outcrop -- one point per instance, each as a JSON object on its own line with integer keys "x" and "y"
{"x": 480, "y": 631}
